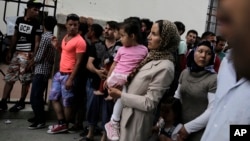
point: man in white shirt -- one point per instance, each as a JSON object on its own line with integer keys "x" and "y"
{"x": 231, "y": 104}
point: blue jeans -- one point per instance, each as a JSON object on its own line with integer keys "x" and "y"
{"x": 96, "y": 104}
{"x": 39, "y": 84}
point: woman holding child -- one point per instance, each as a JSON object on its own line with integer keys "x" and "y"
{"x": 147, "y": 83}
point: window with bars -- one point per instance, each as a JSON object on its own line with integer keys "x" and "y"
{"x": 211, "y": 24}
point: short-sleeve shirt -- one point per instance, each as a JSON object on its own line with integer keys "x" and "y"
{"x": 97, "y": 50}
{"x": 69, "y": 50}
{"x": 26, "y": 32}
{"x": 100, "y": 52}
{"x": 128, "y": 58}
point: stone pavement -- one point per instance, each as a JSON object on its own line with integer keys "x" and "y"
{"x": 18, "y": 130}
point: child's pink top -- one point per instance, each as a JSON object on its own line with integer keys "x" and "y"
{"x": 127, "y": 58}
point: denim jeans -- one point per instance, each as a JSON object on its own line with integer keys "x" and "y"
{"x": 39, "y": 84}
{"x": 97, "y": 104}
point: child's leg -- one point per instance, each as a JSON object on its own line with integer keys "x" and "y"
{"x": 117, "y": 111}
{"x": 112, "y": 127}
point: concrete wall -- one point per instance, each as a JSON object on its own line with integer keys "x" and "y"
{"x": 191, "y": 12}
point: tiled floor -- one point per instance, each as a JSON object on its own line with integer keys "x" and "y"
{"x": 16, "y": 92}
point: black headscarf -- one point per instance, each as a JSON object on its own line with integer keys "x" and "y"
{"x": 193, "y": 67}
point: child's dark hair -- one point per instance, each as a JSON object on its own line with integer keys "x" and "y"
{"x": 50, "y": 22}
{"x": 175, "y": 105}
{"x": 132, "y": 27}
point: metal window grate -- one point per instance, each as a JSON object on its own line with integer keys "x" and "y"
{"x": 211, "y": 23}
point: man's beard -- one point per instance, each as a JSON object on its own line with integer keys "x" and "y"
{"x": 241, "y": 57}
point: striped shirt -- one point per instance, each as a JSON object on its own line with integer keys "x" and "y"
{"x": 44, "y": 58}
{"x": 26, "y": 32}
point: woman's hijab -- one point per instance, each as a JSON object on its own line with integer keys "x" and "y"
{"x": 170, "y": 40}
{"x": 193, "y": 67}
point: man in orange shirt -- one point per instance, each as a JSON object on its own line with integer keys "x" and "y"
{"x": 72, "y": 49}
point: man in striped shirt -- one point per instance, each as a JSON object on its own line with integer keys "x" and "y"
{"x": 24, "y": 44}
{"x": 43, "y": 61}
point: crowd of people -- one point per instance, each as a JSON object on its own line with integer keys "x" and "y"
{"x": 139, "y": 77}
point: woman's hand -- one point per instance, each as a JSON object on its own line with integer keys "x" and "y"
{"x": 183, "y": 133}
{"x": 114, "y": 92}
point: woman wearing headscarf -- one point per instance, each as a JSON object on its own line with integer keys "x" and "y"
{"x": 147, "y": 83}
{"x": 197, "y": 86}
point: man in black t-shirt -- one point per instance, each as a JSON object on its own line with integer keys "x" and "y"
{"x": 24, "y": 45}
{"x": 99, "y": 51}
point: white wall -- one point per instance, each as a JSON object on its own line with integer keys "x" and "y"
{"x": 191, "y": 12}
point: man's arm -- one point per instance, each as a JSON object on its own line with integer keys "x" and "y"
{"x": 37, "y": 41}
{"x": 12, "y": 46}
{"x": 41, "y": 50}
{"x": 74, "y": 72}
{"x": 93, "y": 69}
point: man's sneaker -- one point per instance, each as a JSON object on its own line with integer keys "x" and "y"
{"x": 112, "y": 129}
{"x": 37, "y": 125}
{"x": 17, "y": 107}
{"x": 3, "y": 106}
{"x": 57, "y": 129}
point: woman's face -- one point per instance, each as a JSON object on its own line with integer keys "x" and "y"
{"x": 202, "y": 56}
{"x": 154, "y": 38}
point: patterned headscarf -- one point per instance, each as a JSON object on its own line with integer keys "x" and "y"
{"x": 168, "y": 46}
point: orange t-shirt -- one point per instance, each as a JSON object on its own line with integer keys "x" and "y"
{"x": 69, "y": 50}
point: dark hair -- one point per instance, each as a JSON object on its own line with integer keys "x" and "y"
{"x": 73, "y": 17}
{"x": 33, "y": 3}
{"x": 220, "y": 38}
{"x": 180, "y": 26}
{"x": 133, "y": 19}
{"x": 175, "y": 105}
{"x": 147, "y": 22}
{"x": 197, "y": 41}
{"x": 132, "y": 27}
{"x": 206, "y": 34}
{"x": 97, "y": 30}
{"x": 192, "y": 31}
{"x": 83, "y": 28}
{"x": 113, "y": 25}
{"x": 50, "y": 22}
